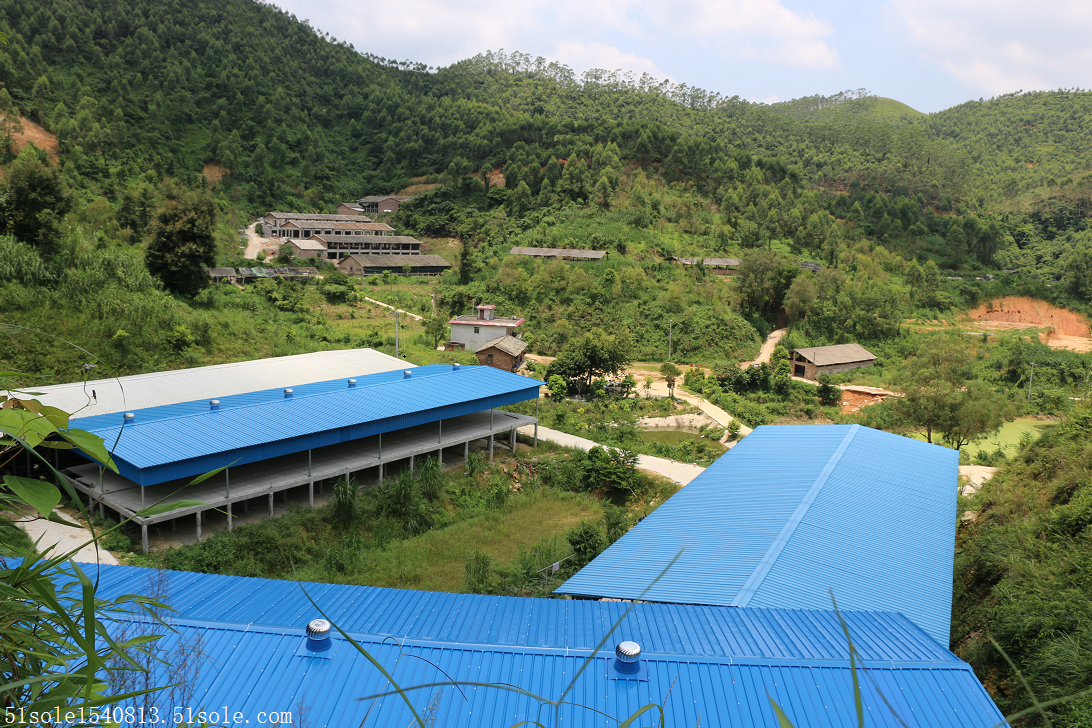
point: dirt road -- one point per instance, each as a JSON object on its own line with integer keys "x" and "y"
{"x": 255, "y": 243}
{"x": 766, "y": 351}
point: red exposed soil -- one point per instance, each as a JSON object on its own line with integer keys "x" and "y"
{"x": 1032, "y": 312}
{"x": 39, "y": 136}
{"x": 214, "y": 173}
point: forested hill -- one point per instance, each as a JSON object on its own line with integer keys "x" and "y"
{"x": 133, "y": 86}
{"x": 137, "y": 91}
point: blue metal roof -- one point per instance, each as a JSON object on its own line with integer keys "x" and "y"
{"x": 186, "y": 439}
{"x": 792, "y": 513}
{"x": 716, "y": 662}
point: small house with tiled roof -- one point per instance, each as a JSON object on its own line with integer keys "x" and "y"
{"x": 504, "y": 353}
{"x": 812, "y": 361}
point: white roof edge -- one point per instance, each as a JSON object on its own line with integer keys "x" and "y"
{"x": 152, "y": 389}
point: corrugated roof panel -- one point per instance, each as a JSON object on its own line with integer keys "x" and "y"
{"x": 259, "y": 425}
{"x": 716, "y": 662}
{"x": 141, "y": 391}
{"x": 793, "y": 512}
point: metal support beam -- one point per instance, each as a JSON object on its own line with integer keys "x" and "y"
{"x": 227, "y": 481}
{"x": 380, "y": 446}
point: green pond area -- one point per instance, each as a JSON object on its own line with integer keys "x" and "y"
{"x": 675, "y": 435}
{"x": 1008, "y": 436}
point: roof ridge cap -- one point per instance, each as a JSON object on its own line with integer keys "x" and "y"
{"x": 751, "y": 586}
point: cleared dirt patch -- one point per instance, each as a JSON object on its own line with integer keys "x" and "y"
{"x": 1029, "y": 311}
{"x": 214, "y": 173}
{"x": 1061, "y": 341}
{"x": 38, "y": 135}
{"x": 418, "y": 189}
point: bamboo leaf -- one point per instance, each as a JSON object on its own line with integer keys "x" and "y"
{"x": 91, "y": 445}
{"x": 782, "y": 719}
{"x": 38, "y": 494}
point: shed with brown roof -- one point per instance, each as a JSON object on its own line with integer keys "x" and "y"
{"x": 504, "y": 353}
{"x": 355, "y": 264}
{"x": 564, "y": 253}
{"x": 382, "y": 203}
{"x": 810, "y": 362}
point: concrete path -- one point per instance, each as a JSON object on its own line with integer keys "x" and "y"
{"x": 681, "y": 473}
{"x": 66, "y": 538}
{"x": 392, "y": 308}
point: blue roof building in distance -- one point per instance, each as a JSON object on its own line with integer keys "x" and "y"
{"x": 793, "y": 514}
{"x": 710, "y": 666}
{"x": 184, "y": 439}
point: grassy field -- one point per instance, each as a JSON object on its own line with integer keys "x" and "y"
{"x": 1008, "y": 436}
{"x": 436, "y": 560}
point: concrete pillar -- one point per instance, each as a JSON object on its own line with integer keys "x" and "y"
{"x": 229, "y": 517}
{"x": 536, "y": 434}
{"x": 380, "y": 472}
{"x": 284, "y": 496}
{"x": 512, "y": 440}
{"x": 199, "y": 526}
{"x": 311, "y": 493}
{"x": 270, "y": 504}
{"x": 440, "y": 456}
{"x": 227, "y": 484}
{"x": 246, "y": 507}
{"x": 144, "y": 537}
{"x": 491, "y": 446}
{"x": 466, "y": 450}
{"x": 174, "y": 524}
{"x": 411, "y": 464}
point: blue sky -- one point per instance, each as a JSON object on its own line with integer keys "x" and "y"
{"x": 930, "y": 54}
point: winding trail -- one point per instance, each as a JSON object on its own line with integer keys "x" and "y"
{"x": 681, "y": 473}
{"x": 766, "y": 351}
{"x": 392, "y": 308}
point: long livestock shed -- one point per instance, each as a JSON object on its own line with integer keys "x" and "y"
{"x": 273, "y": 439}
{"x": 711, "y": 666}
{"x": 563, "y": 253}
{"x": 792, "y": 515}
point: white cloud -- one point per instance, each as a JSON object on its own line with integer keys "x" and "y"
{"x": 580, "y": 33}
{"x": 1002, "y": 46}
{"x": 771, "y": 99}
{"x": 582, "y": 56}
{"x": 765, "y": 29}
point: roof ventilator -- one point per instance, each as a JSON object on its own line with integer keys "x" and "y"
{"x": 214, "y": 404}
{"x": 352, "y": 383}
{"x": 407, "y": 374}
{"x": 627, "y": 662}
{"x": 288, "y": 394}
{"x": 130, "y": 418}
{"x": 318, "y": 635}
